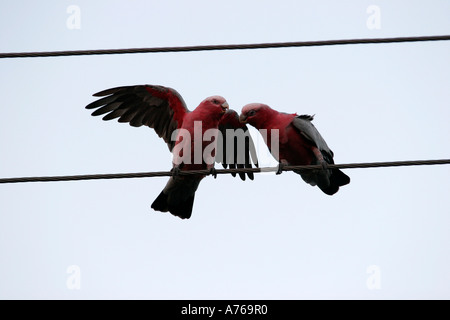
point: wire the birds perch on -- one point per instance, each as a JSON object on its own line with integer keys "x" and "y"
{"x": 222, "y": 171}
{"x": 222, "y": 47}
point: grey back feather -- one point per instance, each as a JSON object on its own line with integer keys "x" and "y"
{"x": 308, "y": 130}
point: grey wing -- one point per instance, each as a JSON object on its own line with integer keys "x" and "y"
{"x": 308, "y": 130}
{"x": 157, "y": 107}
{"x": 236, "y": 148}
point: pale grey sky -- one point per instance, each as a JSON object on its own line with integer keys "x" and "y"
{"x": 384, "y": 236}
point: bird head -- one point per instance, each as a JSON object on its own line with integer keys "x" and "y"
{"x": 215, "y": 104}
{"x": 252, "y": 113}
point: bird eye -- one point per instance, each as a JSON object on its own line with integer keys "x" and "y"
{"x": 215, "y": 101}
{"x": 251, "y": 113}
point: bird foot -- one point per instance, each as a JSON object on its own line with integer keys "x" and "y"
{"x": 280, "y": 168}
{"x": 175, "y": 171}
{"x": 324, "y": 165}
{"x": 213, "y": 172}
{"x": 320, "y": 158}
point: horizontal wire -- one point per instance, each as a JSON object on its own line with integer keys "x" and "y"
{"x": 223, "y": 171}
{"x": 222, "y": 47}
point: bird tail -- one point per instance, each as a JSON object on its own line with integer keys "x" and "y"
{"x": 160, "y": 203}
{"x": 335, "y": 180}
{"x": 328, "y": 181}
{"x": 177, "y": 197}
{"x": 182, "y": 209}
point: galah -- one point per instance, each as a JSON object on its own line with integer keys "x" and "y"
{"x": 164, "y": 110}
{"x": 298, "y": 143}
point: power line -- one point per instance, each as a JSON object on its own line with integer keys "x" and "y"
{"x": 222, "y": 47}
{"x": 222, "y": 171}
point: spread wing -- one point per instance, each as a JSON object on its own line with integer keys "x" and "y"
{"x": 157, "y": 107}
{"x": 308, "y": 130}
{"x": 236, "y": 150}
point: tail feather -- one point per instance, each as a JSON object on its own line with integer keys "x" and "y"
{"x": 337, "y": 179}
{"x": 178, "y": 196}
{"x": 328, "y": 181}
{"x": 160, "y": 203}
{"x": 182, "y": 209}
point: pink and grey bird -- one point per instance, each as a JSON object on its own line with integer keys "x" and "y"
{"x": 164, "y": 110}
{"x": 299, "y": 144}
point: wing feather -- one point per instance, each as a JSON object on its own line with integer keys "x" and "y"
{"x": 308, "y": 130}
{"x": 237, "y": 139}
{"x": 157, "y": 107}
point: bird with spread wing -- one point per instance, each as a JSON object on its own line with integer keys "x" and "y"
{"x": 164, "y": 110}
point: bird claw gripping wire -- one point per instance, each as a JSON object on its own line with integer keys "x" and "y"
{"x": 280, "y": 168}
{"x": 213, "y": 172}
{"x": 324, "y": 165}
{"x": 320, "y": 158}
{"x": 175, "y": 171}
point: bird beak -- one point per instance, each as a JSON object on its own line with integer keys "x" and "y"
{"x": 225, "y": 107}
{"x": 242, "y": 118}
